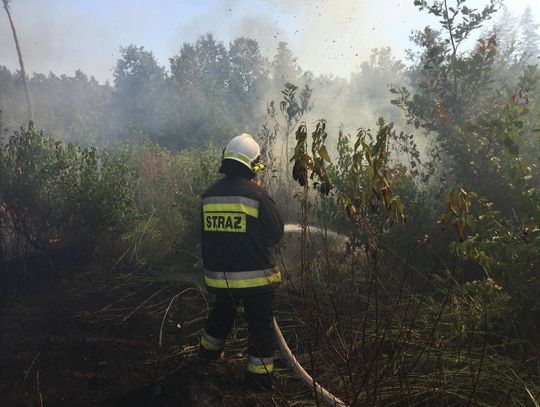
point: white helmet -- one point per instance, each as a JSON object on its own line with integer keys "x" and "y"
{"x": 244, "y": 149}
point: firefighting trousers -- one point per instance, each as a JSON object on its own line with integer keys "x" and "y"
{"x": 258, "y": 312}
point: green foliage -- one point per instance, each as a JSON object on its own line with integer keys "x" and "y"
{"x": 275, "y": 134}
{"x": 165, "y": 236}
{"x": 456, "y": 319}
{"x": 485, "y": 130}
{"x": 56, "y": 195}
{"x": 213, "y": 92}
{"x": 386, "y": 307}
{"x": 73, "y": 108}
{"x": 312, "y": 166}
{"x": 458, "y": 20}
{"x": 459, "y": 101}
{"x": 139, "y": 204}
{"x": 363, "y": 176}
{"x": 362, "y": 314}
{"x": 506, "y": 248}
{"x": 139, "y": 87}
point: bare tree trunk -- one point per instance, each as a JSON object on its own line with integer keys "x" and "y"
{"x": 1, "y": 121}
{"x": 21, "y": 63}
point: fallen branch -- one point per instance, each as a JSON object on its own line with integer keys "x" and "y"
{"x": 38, "y": 385}
{"x": 105, "y": 308}
{"x": 31, "y": 364}
{"x": 140, "y": 305}
{"x": 167, "y": 312}
{"x": 536, "y": 404}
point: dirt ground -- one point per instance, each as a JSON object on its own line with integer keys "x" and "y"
{"x": 91, "y": 338}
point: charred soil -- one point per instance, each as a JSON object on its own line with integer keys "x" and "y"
{"x": 91, "y": 338}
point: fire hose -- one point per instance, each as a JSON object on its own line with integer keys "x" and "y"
{"x": 300, "y": 371}
{"x": 293, "y": 362}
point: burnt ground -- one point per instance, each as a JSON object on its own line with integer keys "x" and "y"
{"x": 91, "y": 338}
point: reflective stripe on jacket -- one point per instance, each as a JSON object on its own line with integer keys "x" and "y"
{"x": 241, "y": 279}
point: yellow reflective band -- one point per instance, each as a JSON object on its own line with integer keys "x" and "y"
{"x": 231, "y": 207}
{"x": 245, "y": 283}
{"x": 260, "y": 368}
{"x": 209, "y": 345}
{"x": 243, "y": 158}
{"x": 239, "y": 156}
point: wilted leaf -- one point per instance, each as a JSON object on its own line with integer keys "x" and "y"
{"x": 300, "y": 172}
{"x": 324, "y": 154}
{"x": 461, "y": 229}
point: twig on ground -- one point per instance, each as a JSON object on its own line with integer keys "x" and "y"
{"x": 31, "y": 364}
{"x": 40, "y": 396}
{"x": 536, "y": 404}
{"x": 140, "y": 305}
{"x": 123, "y": 298}
{"x": 167, "y": 312}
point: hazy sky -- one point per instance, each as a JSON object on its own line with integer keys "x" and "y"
{"x": 330, "y": 37}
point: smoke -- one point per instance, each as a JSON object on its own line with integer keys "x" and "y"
{"x": 56, "y": 39}
{"x": 330, "y": 37}
{"x": 334, "y": 37}
{"x": 266, "y": 33}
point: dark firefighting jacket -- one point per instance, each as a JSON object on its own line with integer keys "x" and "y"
{"x": 240, "y": 222}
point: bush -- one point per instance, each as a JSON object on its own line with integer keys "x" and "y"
{"x": 53, "y": 195}
{"x": 165, "y": 236}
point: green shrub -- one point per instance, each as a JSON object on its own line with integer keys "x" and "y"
{"x": 165, "y": 236}
{"x": 55, "y": 195}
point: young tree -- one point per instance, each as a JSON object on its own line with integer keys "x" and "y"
{"x": 452, "y": 87}
{"x": 21, "y": 61}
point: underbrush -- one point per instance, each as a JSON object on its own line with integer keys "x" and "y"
{"x": 390, "y": 316}
{"x": 380, "y": 305}
{"x": 135, "y": 205}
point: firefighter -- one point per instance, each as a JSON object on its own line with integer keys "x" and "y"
{"x": 240, "y": 223}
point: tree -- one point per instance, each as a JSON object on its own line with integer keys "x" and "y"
{"x": 447, "y": 73}
{"x": 284, "y": 67}
{"x": 198, "y": 95}
{"x": 248, "y": 79}
{"x": 138, "y": 89}
{"x": 452, "y": 87}
{"x": 184, "y": 67}
{"x": 366, "y": 93}
{"x": 530, "y": 39}
{"x": 506, "y": 29}
{"x": 21, "y": 61}
{"x": 509, "y": 60}
{"x": 72, "y": 108}
{"x": 212, "y": 65}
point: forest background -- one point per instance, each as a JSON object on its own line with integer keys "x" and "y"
{"x": 428, "y": 167}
